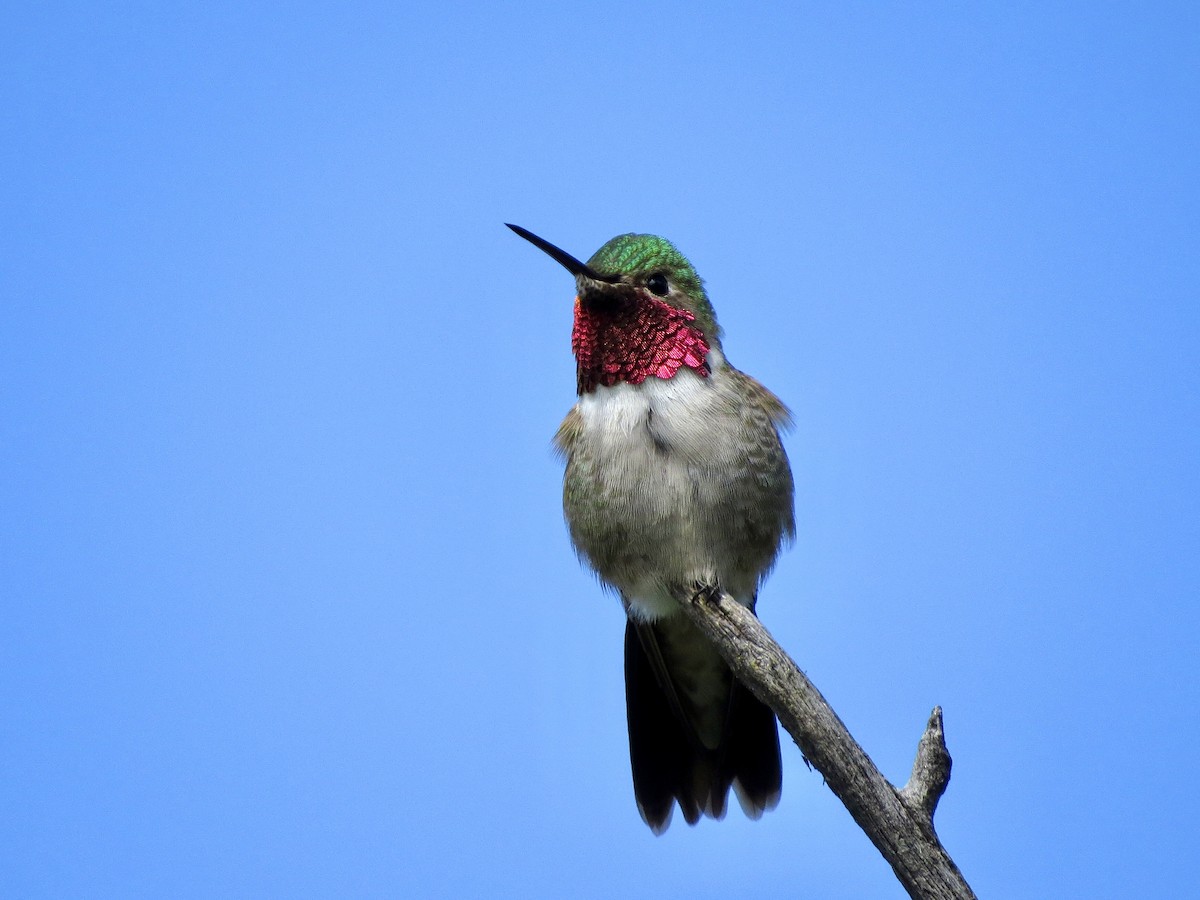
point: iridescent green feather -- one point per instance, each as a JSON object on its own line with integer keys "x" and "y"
{"x": 641, "y": 255}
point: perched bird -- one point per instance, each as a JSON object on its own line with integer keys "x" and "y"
{"x": 675, "y": 477}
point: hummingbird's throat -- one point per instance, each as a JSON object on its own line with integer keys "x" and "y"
{"x": 634, "y": 341}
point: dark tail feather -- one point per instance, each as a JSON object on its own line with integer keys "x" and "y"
{"x": 669, "y": 763}
{"x": 752, "y": 753}
{"x": 660, "y": 750}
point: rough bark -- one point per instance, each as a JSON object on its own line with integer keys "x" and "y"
{"x": 899, "y": 822}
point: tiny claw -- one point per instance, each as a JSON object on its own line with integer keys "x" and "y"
{"x": 708, "y": 593}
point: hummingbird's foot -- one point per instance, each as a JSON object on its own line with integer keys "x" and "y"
{"x": 708, "y": 593}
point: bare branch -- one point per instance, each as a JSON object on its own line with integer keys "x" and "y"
{"x": 931, "y": 769}
{"x": 898, "y": 822}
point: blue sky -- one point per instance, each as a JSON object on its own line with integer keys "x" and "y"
{"x": 289, "y": 606}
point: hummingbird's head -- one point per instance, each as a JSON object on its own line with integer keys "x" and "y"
{"x": 652, "y": 266}
{"x": 640, "y": 312}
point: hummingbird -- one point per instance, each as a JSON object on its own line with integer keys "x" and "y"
{"x": 675, "y": 478}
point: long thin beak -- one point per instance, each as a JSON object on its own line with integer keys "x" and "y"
{"x": 562, "y": 257}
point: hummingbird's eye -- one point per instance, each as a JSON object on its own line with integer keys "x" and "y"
{"x": 658, "y": 284}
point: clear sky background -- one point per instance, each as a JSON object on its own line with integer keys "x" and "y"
{"x": 288, "y": 605}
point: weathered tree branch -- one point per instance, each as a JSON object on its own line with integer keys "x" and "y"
{"x": 898, "y": 822}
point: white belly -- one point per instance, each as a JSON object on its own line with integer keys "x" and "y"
{"x": 665, "y": 455}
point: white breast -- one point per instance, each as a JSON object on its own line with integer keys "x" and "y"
{"x": 680, "y": 413}
{"x": 666, "y": 446}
